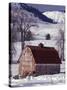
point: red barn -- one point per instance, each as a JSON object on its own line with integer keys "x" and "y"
{"x": 39, "y": 60}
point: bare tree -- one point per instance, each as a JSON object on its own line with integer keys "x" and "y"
{"x": 60, "y": 43}
{"x": 48, "y": 37}
{"x": 22, "y": 22}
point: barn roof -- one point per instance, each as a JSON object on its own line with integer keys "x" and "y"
{"x": 45, "y": 55}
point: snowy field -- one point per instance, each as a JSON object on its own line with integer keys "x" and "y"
{"x": 39, "y": 80}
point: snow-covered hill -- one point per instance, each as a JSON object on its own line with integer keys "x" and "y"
{"x": 30, "y": 11}
{"x": 56, "y": 16}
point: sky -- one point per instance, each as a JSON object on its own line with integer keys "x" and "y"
{"x": 43, "y": 7}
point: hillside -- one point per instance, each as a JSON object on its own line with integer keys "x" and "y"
{"x": 56, "y": 16}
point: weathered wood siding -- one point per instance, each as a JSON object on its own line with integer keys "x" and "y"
{"x": 27, "y": 62}
{"x": 42, "y": 69}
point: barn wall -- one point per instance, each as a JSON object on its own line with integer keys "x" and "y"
{"x": 42, "y": 69}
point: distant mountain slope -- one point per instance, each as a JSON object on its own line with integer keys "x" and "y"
{"x": 33, "y": 10}
{"x": 56, "y": 16}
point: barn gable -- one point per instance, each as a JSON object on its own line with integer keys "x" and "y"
{"x": 27, "y": 62}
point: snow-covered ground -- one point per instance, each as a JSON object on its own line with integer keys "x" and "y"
{"x": 16, "y": 55}
{"x": 39, "y": 80}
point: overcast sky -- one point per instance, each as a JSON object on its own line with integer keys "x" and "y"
{"x": 43, "y": 8}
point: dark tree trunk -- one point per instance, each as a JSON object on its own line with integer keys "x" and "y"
{"x": 22, "y": 39}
